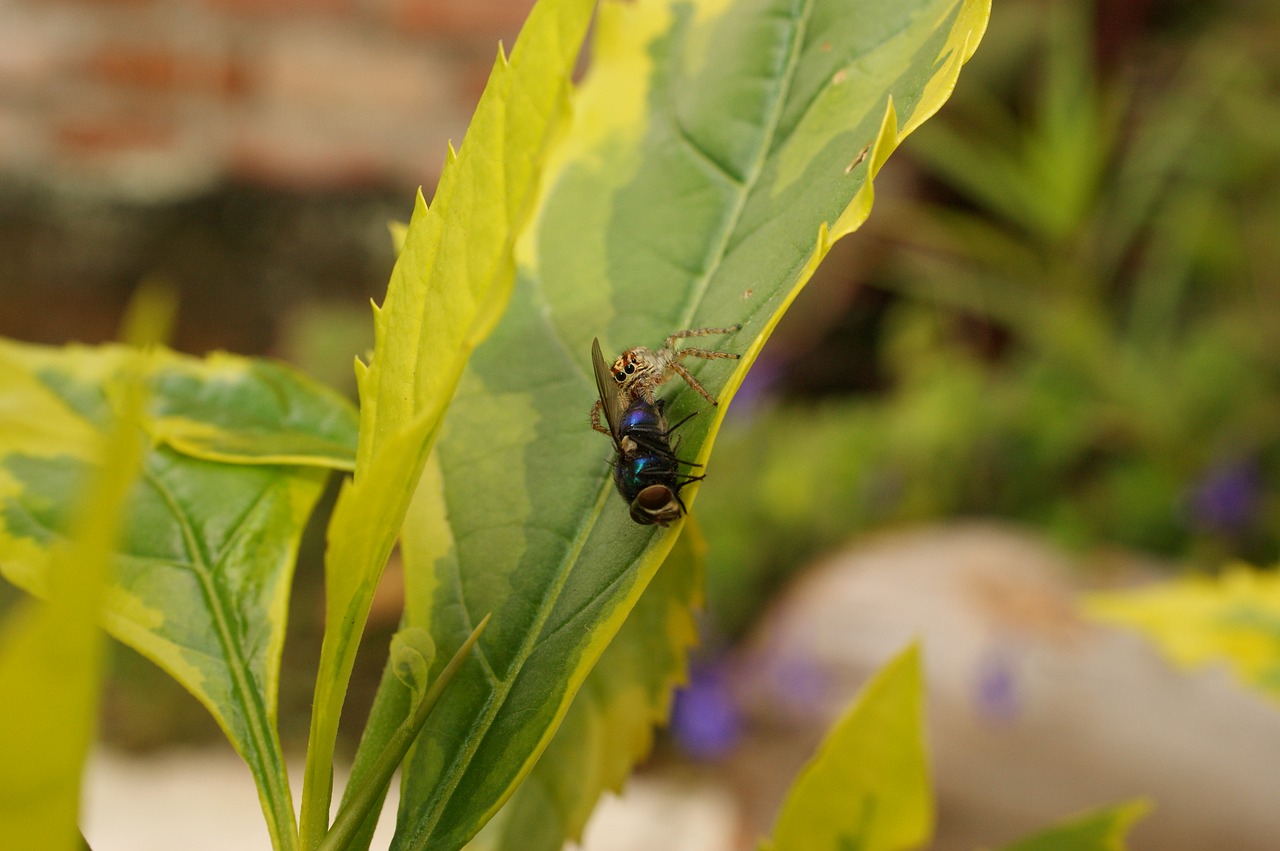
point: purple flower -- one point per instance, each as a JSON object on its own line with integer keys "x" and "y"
{"x": 800, "y": 686}
{"x": 996, "y": 691}
{"x": 759, "y": 386}
{"x": 705, "y": 721}
{"x": 1226, "y": 499}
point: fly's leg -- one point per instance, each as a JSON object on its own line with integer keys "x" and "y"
{"x": 672, "y": 429}
{"x": 595, "y": 418}
{"x": 675, "y": 447}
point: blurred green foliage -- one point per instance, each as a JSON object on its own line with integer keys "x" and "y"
{"x": 1083, "y": 314}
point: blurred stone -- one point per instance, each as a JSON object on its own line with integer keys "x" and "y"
{"x": 670, "y": 811}
{"x": 1035, "y": 714}
{"x": 195, "y": 800}
{"x": 204, "y": 800}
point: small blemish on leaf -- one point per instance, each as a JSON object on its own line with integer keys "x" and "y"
{"x": 862, "y": 155}
{"x": 839, "y": 77}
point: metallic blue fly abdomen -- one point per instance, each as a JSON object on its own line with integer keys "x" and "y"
{"x": 642, "y": 465}
{"x": 641, "y": 417}
{"x": 645, "y": 469}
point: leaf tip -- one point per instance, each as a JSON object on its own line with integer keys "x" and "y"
{"x": 886, "y": 140}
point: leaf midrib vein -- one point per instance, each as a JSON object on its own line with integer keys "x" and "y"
{"x": 484, "y": 721}
{"x": 699, "y": 289}
{"x": 502, "y": 686}
{"x": 200, "y": 564}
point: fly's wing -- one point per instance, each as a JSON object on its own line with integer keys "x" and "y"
{"x": 607, "y": 387}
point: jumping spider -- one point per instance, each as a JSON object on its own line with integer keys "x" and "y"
{"x": 640, "y": 371}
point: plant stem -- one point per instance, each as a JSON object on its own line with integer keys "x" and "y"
{"x": 357, "y": 808}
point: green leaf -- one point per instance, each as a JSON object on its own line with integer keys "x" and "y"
{"x": 450, "y": 284}
{"x": 51, "y": 654}
{"x": 1100, "y": 830}
{"x": 609, "y": 726}
{"x": 868, "y": 787}
{"x": 714, "y": 154}
{"x": 204, "y": 563}
{"x": 411, "y": 654}
{"x": 1041, "y": 179}
{"x": 1233, "y": 618}
{"x": 241, "y": 411}
{"x": 425, "y": 536}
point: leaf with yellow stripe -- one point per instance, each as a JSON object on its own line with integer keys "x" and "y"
{"x": 1103, "y": 829}
{"x": 1232, "y": 619}
{"x": 609, "y": 727}
{"x": 204, "y": 561}
{"x": 250, "y": 411}
{"x": 868, "y": 787}
{"x": 51, "y": 653}
{"x": 716, "y": 150}
{"x": 450, "y": 284}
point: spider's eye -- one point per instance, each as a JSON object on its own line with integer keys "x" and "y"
{"x": 631, "y": 368}
{"x": 619, "y": 377}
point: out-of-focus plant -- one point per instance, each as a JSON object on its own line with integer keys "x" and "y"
{"x": 1082, "y": 330}
{"x": 51, "y": 657}
{"x": 714, "y": 148}
{"x": 1232, "y": 619}
{"x": 868, "y": 786}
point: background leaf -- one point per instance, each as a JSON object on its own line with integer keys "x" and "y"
{"x": 450, "y": 284}
{"x": 1100, "y": 830}
{"x": 1198, "y": 620}
{"x": 227, "y": 408}
{"x": 204, "y": 562}
{"x": 713, "y": 157}
{"x": 51, "y": 654}
{"x": 868, "y": 787}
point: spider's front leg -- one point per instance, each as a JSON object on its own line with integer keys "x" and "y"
{"x": 700, "y": 332}
{"x": 679, "y": 369}
{"x": 595, "y": 418}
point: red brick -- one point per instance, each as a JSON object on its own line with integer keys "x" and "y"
{"x": 473, "y": 77}
{"x": 282, "y": 8}
{"x": 23, "y": 138}
{"x": 92, "y": 135}
{"x": 276, "y": 162}
{"x": 339, "y": 76}
{"x": 122, "y": 4}
{"x": 493, "y": 18}
{"x": 160, "y": 69}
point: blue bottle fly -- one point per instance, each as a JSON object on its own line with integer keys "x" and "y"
{"x": 645, "y": 469}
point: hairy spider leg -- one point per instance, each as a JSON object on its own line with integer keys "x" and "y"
{"x": 678, "y": 368}
{"x": 596, "y": 409}
{"x": 666, "y": 361}
{"x": 700, "y": 332}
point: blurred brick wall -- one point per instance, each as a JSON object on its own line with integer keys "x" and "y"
{"x": 151, "y": 99}
{"x": 249, "y": 152}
